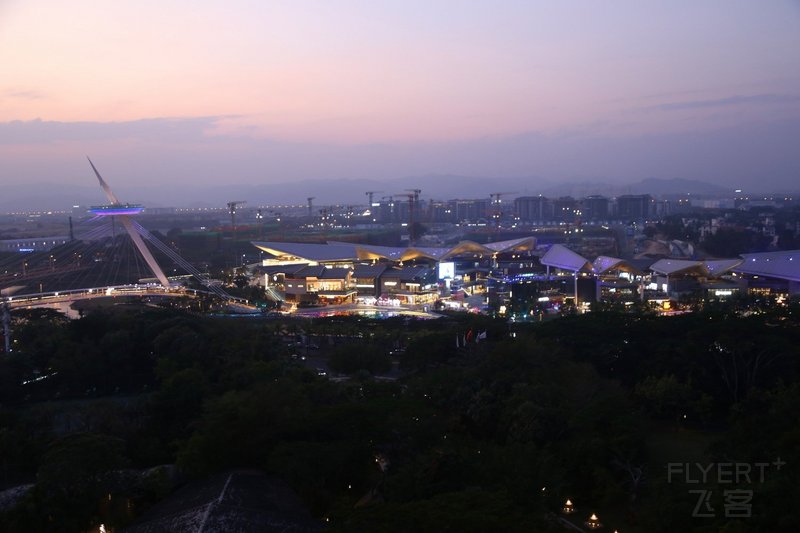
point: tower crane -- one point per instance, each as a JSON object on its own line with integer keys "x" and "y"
{"x": 232, "y": 210}
{"x": 391, "y": 207}
{"x": 414, "y": 207}
{"x": 370, "y": 195}
{"x": 496, "y": 207}
{"x": 413, "y": 200}
{"x": 495, "y": 196}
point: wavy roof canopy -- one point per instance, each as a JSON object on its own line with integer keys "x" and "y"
{"x": 559, "y": 256}
{"x": 718, "y": 267}
{"x": 523, "y": 244}
{"x": 342, "y": 251}
{"x": 605, "y": 263}
{"x": 309, "y": 252}
{"x": 669, "y": 267}
{"x": 710, "y": 267}
{"x": 781, "y": 265}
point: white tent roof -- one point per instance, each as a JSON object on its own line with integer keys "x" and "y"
{"x": 342, "y": 251}
{"x": 560, "y": 256}
{"x": 711, "y": 267}
{"x": 780, "y": 265}
{"x": 677, "y": 266}
{"x": 718, "y": 267}
{"x": 525, "y": 243}
{"x": 308, "y": 251}
{"x": 605, "y": 263}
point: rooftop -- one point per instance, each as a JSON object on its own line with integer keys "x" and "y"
{"x": 341, "y": 251}
{"x": 240, "y": 500}
{"x": 782, "y": 265}
{"x": 560, "y": 256}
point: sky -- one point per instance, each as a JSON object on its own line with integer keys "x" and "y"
{"x": 199, "y": 93}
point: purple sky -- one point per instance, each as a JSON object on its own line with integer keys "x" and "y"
{"x": 263, "y": 92}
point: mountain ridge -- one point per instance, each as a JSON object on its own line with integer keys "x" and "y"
{"x": 56, "y": 196}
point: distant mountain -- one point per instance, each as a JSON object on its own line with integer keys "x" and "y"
{"x": 47, "y": 196}
{"x": 653, "y": 186}
{"x": 579, "y": 189}
{"x": 438, "y": 187}
{"x": 339, "y": 191}
{"x": 660, "y": 187}
{"x": 344, "y": 191}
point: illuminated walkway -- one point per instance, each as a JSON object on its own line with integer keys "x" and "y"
{"x": 56, "y": 297}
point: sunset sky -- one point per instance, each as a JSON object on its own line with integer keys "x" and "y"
{"x": 267, "y": 91}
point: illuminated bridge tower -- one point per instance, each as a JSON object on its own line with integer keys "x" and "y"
{"x": 124, "y": 212}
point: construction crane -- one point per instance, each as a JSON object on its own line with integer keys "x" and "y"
{"x": 496, "y": 207}
{"x": 260, "y": 219}
{"x": 391, "y": 208}
{"x": 325, "y": 214}
{"x": 232, "y": 210}
{"x": 410, "y": 197}
{"x": 310, "y": 199}
{"x": 495, "y": 196}
{"x": 413, "y": 201}
{"x": 370, "y": 195}
{"x": 414, "y": 207}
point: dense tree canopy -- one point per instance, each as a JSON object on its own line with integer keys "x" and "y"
{"x": 489, "y": 435}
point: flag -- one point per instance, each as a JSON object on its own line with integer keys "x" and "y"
{"x": 457, "y": 346}
{"x": 468, "y": 336}
{"x": 480, "y": 337}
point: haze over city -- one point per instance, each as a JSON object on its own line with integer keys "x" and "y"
{"x": 443, "y": 265}
{"x": 201, "y": 95}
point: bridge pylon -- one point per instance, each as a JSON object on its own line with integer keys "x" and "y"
{"x": 123, "y": 212}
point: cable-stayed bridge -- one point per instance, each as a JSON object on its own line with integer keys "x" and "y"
{"x": 111, "y": 254}
{"x": 152, "y": 289}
